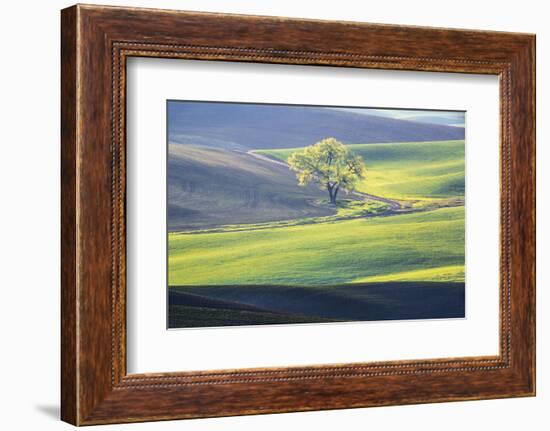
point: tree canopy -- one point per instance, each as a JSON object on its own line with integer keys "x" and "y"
{"x": 330, "y": 164}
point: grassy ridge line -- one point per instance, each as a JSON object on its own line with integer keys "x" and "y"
{"x": 345, "y": 210}
{"x": 442, "y": 273}
{"x": 407, "y": 170}
{"x": 318, "y": 254}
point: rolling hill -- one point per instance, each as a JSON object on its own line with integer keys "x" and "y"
{"x": 210, "y": 187}
{"x": 408, "y": 170}
{"x": 289, "y": 258}
{"x": 323, "y": 253}
{"x": 261, "y": 304}
{"x": 246, "y": 126}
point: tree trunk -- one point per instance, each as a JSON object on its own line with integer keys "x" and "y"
{"x": 330, "y": 189}
{"x": 332, "y": 192}
{"x": 335, "y": 193}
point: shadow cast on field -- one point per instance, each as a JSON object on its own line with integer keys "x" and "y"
{"x": 208, "y": 306}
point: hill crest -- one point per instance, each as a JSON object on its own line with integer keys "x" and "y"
{"x": 240, "y": 126}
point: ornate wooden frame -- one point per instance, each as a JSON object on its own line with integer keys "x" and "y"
{"x": 96, "y": 41}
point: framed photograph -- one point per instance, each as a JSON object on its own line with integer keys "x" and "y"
{"x": 263, "y": 214}
{"x": 273, "y": 220}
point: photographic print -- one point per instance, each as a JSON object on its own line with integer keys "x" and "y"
{"x": 292, "y": 214}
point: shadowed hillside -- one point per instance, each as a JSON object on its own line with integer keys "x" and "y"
{"x": 249, "y": 126}
{"x": 246, "y": 305}
{"x": 210, "y": 187}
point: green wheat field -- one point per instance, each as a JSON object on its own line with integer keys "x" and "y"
{"x": 248, "y": 245}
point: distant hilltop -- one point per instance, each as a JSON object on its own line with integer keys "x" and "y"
{"x": 238, "y": 126}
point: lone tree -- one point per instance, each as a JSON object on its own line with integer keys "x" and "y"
{"x": 330, "y": 164}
